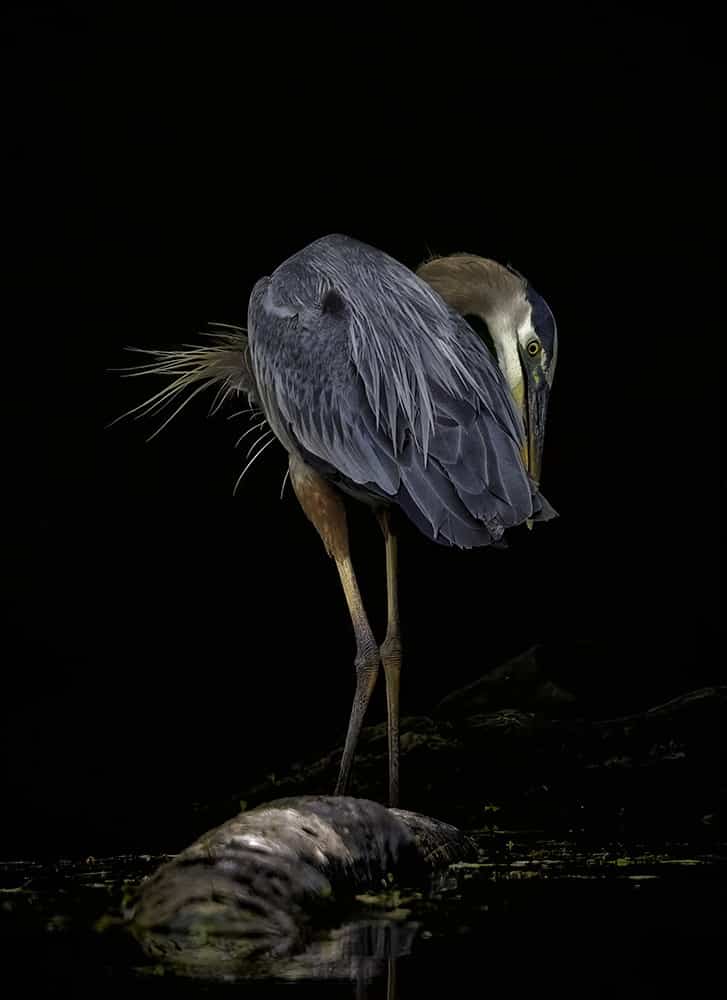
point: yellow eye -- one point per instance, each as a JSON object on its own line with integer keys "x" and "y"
{"x": 533, "y": 348}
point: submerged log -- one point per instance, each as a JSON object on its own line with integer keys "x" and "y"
{"x": 254, "y": 889}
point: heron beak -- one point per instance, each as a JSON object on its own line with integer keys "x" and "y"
{"x": 537, "y": 391}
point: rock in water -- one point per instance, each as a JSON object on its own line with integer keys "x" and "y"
{"x": 254, "y": 888}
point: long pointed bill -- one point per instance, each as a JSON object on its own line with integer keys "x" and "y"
{"x": 536, "y": 407}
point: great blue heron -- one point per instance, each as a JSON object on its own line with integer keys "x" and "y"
{"x": 377, "y": 387}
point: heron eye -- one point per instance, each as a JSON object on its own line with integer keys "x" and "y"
{"x": 533, "y": 348}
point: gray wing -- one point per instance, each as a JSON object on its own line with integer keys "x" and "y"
{"x": 463, "y": 485}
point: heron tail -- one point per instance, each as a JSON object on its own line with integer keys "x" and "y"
{"x": 224, "y": 362}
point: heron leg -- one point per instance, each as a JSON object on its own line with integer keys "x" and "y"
{"x": 391, "y": 653}
{"x": 324, "y": 508}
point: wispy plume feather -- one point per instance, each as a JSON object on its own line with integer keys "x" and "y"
{"x": 223, "y": 362}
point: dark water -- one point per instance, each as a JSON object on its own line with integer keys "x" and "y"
{"x": 532, "y": 914}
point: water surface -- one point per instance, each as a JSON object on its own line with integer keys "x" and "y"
{"x": 531, "y": 914}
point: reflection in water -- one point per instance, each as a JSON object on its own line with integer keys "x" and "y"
{"x": 361, "y": 950}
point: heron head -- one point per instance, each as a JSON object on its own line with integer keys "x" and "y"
{"x": 536, "y": 339}
{"x": 519, "y": 329}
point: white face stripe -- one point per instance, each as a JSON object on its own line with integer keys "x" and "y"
{"x": 506, "y": 338}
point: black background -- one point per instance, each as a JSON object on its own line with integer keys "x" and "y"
{"x": 167, "y": 642}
